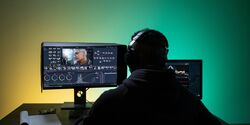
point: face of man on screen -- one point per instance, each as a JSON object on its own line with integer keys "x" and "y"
{"x": 81, "y": 56}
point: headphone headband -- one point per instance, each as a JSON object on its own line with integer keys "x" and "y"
{"x": 138, "y": 35}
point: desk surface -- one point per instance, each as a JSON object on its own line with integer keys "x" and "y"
{"x": 33, "y": 109}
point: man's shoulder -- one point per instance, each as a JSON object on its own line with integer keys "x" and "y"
{"x": 112, "y": 95}
{"x": 116, "y": 92}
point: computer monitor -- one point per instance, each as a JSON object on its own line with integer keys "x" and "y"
{"x": 80, "y": 66}
{"x": 188, "y": 74}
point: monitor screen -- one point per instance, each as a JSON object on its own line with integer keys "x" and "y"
{"x": 71, "y": 65}
{"x": 189, "y": 74}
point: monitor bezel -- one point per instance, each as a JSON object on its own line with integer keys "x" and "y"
{"x": 201, "y": 67}
{"x": 121, "y": 65}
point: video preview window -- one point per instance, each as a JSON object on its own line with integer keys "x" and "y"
{"x": 79, "y": 56}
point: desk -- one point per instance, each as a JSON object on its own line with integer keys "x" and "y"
{"x": 33, "y": 109}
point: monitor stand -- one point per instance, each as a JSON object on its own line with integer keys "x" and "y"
{"x": 79, "y": 106}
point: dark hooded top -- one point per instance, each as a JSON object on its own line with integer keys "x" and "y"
{"x": 151, "y": 97}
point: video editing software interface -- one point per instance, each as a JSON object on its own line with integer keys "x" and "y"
{"x": 189, "y": 74}
{"x": 72, "y": 65}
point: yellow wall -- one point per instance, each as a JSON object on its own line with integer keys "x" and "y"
{"x": 24, "y": 25}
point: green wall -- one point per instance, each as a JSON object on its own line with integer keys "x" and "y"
{"x": 216, "y": 31}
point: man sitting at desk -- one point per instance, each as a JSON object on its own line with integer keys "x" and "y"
{"x": 151, "y": 95}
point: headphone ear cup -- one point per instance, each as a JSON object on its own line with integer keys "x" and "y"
{"x": 161, "y": 57}
{"x": 166, "y": 55}
{"x": 130, "y": 59}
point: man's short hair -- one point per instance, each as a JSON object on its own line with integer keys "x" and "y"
{"x": 84, "y": 51}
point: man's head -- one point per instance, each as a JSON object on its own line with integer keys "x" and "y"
{"x": 81, "y": 56}
{"x": 148, "y": 49}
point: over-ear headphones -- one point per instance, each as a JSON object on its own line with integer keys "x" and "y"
{"x": 131, "y": 54}
{"x": 139, "y": 39}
